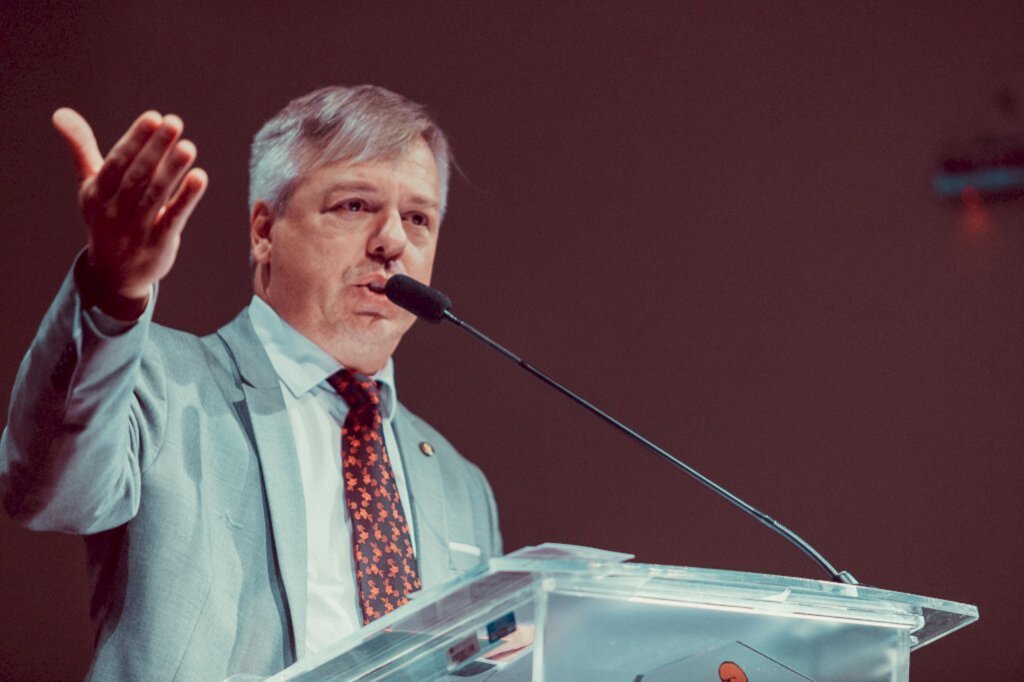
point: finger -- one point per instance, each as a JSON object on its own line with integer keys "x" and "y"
{"x": 122, "y": 154}
{"x": 80, "y": 141}
{"x": 143, "y": 168}
{"x": 177, "y": 211}
{"x": 168, "y": 175}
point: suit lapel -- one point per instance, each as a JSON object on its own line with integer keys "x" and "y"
{"x": 275, "y": 447}
{"x": 423, "y": 478}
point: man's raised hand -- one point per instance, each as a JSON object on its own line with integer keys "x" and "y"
{"x": 135, "y": 203}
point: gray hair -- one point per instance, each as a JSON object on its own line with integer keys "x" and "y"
{"x": 355, "y": 124}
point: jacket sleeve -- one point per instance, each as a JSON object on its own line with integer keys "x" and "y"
{"x": 78, "y": 422}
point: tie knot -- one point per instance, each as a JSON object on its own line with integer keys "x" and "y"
{"x": 355, "y": 389}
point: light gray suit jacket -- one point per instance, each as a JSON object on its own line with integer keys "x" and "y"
{"x": 173, "y": 454}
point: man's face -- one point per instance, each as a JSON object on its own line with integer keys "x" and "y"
{"x": 323, "y": 261}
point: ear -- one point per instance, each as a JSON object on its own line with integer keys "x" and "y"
{"x": 260, "y": 222}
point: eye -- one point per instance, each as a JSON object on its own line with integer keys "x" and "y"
{"x": 418, "y": 219}
{"x": 350, "y": 206}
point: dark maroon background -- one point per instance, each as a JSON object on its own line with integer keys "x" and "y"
{"x": 716, "y": 221}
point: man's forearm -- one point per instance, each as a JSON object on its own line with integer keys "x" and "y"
{"x": 67, "y": 462}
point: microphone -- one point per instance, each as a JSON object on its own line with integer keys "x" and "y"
{"x": 433, "y": 306}
{"x": 422, "y": 301}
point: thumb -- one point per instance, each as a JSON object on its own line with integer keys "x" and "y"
{"x": 80, "y": 141}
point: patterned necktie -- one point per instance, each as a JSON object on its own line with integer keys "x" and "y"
{"x": 386, "y": 570}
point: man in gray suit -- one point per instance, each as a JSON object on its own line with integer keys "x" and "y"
{"x": 206, "y": 473}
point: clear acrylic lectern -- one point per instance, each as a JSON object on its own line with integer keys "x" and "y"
{"x": 560, "y": 612}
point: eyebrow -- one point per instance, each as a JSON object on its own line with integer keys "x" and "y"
{"x": 361, "y": 187}
{"x": 422, "y": 201}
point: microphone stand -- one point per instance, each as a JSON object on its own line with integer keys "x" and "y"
{"x": 836, "y": 576}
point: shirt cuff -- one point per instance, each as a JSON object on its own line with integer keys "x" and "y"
{"x": 105, "y": 325}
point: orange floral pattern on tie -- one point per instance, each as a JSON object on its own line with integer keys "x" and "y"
{"x": 386, "y": 569}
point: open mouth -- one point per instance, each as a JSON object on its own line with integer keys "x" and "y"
{"x": 376, "y": 287}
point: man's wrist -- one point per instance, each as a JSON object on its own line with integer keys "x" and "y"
{"x": 94, "y": 292}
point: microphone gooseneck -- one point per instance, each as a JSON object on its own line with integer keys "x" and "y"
{"x": 433, "y": 306}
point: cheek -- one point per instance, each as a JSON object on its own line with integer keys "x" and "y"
{"x": 307, "y": 273}
{"x": 421, "y": 262}
{"x": 320, "y": 259}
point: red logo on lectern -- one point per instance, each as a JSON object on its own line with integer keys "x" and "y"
{"x": 730, "y": 672}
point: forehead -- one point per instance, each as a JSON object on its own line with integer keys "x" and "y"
{"x": 414, "y": 168}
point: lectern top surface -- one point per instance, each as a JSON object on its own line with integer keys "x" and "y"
{"x": 584, "y": 568}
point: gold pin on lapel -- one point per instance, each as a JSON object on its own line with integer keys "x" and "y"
{"x": 427, "y": 449}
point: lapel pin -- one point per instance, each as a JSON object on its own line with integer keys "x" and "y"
{"x": 426, "y": 448}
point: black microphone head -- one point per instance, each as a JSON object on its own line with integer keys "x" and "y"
{"x": 419, "y": 299}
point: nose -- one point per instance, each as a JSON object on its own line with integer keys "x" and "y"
{"x": 388, "y": 239}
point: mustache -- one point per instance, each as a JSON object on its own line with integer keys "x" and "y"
{"x": 362, "y": 274}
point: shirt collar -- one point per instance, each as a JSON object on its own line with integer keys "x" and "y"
{"x": 301, "y": 364}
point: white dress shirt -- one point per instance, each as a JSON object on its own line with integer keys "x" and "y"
{"x": 317, "y": 413}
